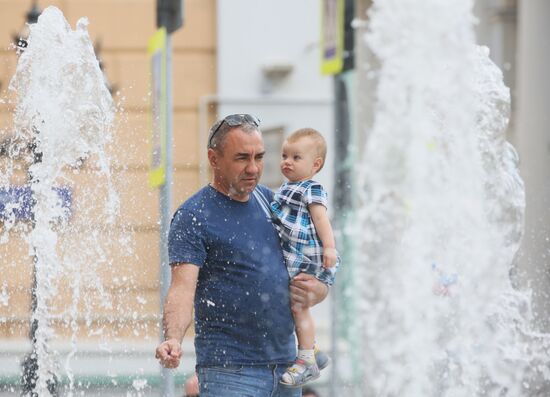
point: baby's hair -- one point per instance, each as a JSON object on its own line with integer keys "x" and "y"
{"x": 316, "y": 137}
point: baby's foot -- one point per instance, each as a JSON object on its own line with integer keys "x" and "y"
{"x": 299, "y": 374}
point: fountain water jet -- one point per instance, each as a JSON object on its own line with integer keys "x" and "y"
{"x": 443, "y": 216}
{"x": 64, "y": 115}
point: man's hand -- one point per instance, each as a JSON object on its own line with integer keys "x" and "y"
{"x": 306, "y": 291}
{"x": 169, "y": 353}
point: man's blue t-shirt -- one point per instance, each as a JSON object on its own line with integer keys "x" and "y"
{"x": 242, "y": 312}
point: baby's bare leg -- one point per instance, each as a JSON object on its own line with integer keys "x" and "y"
{"x": 305, "y": 368}
{"x": 305, "y": 327}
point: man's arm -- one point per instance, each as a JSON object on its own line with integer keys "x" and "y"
{"x": 306, "y": 290}
{"x": 178, "y": 313}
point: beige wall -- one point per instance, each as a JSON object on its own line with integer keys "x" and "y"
{"x": 123, "y": 27}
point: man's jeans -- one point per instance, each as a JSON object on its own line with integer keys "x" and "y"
{"x": 244, "y": 381}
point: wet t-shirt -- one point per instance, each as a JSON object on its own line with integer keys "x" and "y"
{"x": 242, "y": 313}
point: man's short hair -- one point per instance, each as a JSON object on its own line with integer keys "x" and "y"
{"x": 315, "y": 136}
{"x": 219, "y": 130}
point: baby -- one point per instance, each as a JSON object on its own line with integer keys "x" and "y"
{"x": 300, "y": 212}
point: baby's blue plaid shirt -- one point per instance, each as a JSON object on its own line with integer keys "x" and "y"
{"x": 302, "y": 248}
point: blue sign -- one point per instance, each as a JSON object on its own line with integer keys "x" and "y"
{"x": 17, "y": 201}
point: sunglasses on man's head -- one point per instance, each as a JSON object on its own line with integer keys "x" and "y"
{"x": 235, "y": 120}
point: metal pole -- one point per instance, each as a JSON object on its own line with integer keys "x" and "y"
{"x": 165, "y": 210}
{"x": 29, "y": 379}
{"x": 343, "y": 122}
{"x": 342, "y": 205}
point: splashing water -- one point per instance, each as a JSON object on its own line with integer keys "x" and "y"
{"x": 63, "y": 122}
{"x": 443, "y": 216}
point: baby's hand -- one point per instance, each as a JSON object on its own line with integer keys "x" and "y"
{"x": 330, "y": 257}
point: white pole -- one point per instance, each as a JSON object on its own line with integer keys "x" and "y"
{"x": 533, "y": 142}
{"x": 165, "y": 211}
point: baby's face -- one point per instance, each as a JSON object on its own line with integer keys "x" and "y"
{"x": 299, "y": 160}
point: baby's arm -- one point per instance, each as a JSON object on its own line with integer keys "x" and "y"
{"x": 320, "y": 219}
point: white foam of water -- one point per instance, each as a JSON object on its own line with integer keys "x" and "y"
{"x": 443, "y": 215}
{"x": 4, "y": 296}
